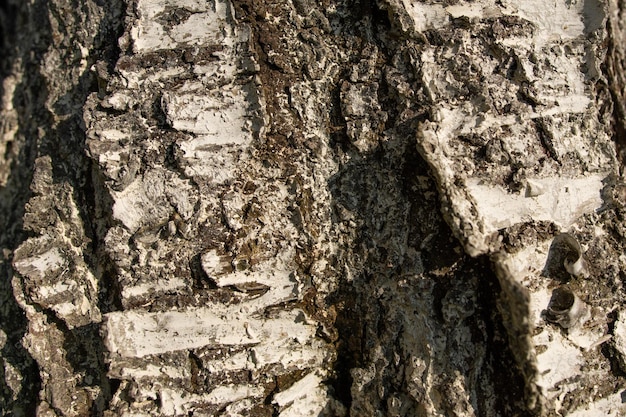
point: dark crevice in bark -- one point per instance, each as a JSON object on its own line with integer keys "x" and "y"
{"x": 84, "y": 352}
{"x": 99, "y": 205}
{"x": 610, "y": 352}
{"x": 338, "y": 129}
{"x": 349, "y": 325}
{"x": 96, "y": 201}
{"x": 15, "y": 193}
{"x": 547, "y": 141}
{"x": 65, "y": 144}
{"x": 14, "y": 325}
{"x": 500, "y": 370}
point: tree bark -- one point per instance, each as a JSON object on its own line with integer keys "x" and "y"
{"x": 292, "y": 208}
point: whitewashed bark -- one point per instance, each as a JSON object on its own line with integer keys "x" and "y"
{"x": 312, "y": 208}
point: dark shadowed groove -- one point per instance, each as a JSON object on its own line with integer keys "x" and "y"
{"x": 91, "y": 198}
{"x": 27, "y": 47}
{"x": 65, "y": 144}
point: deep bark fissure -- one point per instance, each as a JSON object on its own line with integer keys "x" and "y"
{"x": 65, "y": 144}
{"x": 13, "y": 197}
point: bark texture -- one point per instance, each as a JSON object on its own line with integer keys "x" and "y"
{"x": 331, "y": 208}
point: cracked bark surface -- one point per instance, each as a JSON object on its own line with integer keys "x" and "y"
{"x": 312, "y": 208}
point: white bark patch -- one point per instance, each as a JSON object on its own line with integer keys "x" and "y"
{"x": 561, "y": 201}
{"x": 175, "y": 403}
{"x": 555, "y": 21}
{"x": 146, "y": 288}
{"x": 150, "y": 371}
{"x": 306, "y": 397}
{"x": 426, "y": 16}
{"x": 40, "y": 266}
{"x": 207, "y": 21}
{"x": 51, "y": 284}
{"x": 137, "y": 334}
{"x": 150, "y": 199}
{"x": 216, "y": 120}
{"x": 223, "y": 105}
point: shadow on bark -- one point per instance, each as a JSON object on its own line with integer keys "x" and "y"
{"x": 19, "y": 392}
{"x": 418, "y": 324}
{"x": 38, "y": 135}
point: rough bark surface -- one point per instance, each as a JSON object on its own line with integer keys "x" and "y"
{"x": 289, "y": 207}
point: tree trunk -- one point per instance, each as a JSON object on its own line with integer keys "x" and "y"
{"x": 293, "y": 208}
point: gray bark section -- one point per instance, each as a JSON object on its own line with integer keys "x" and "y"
{"x": 316, "y": 231}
